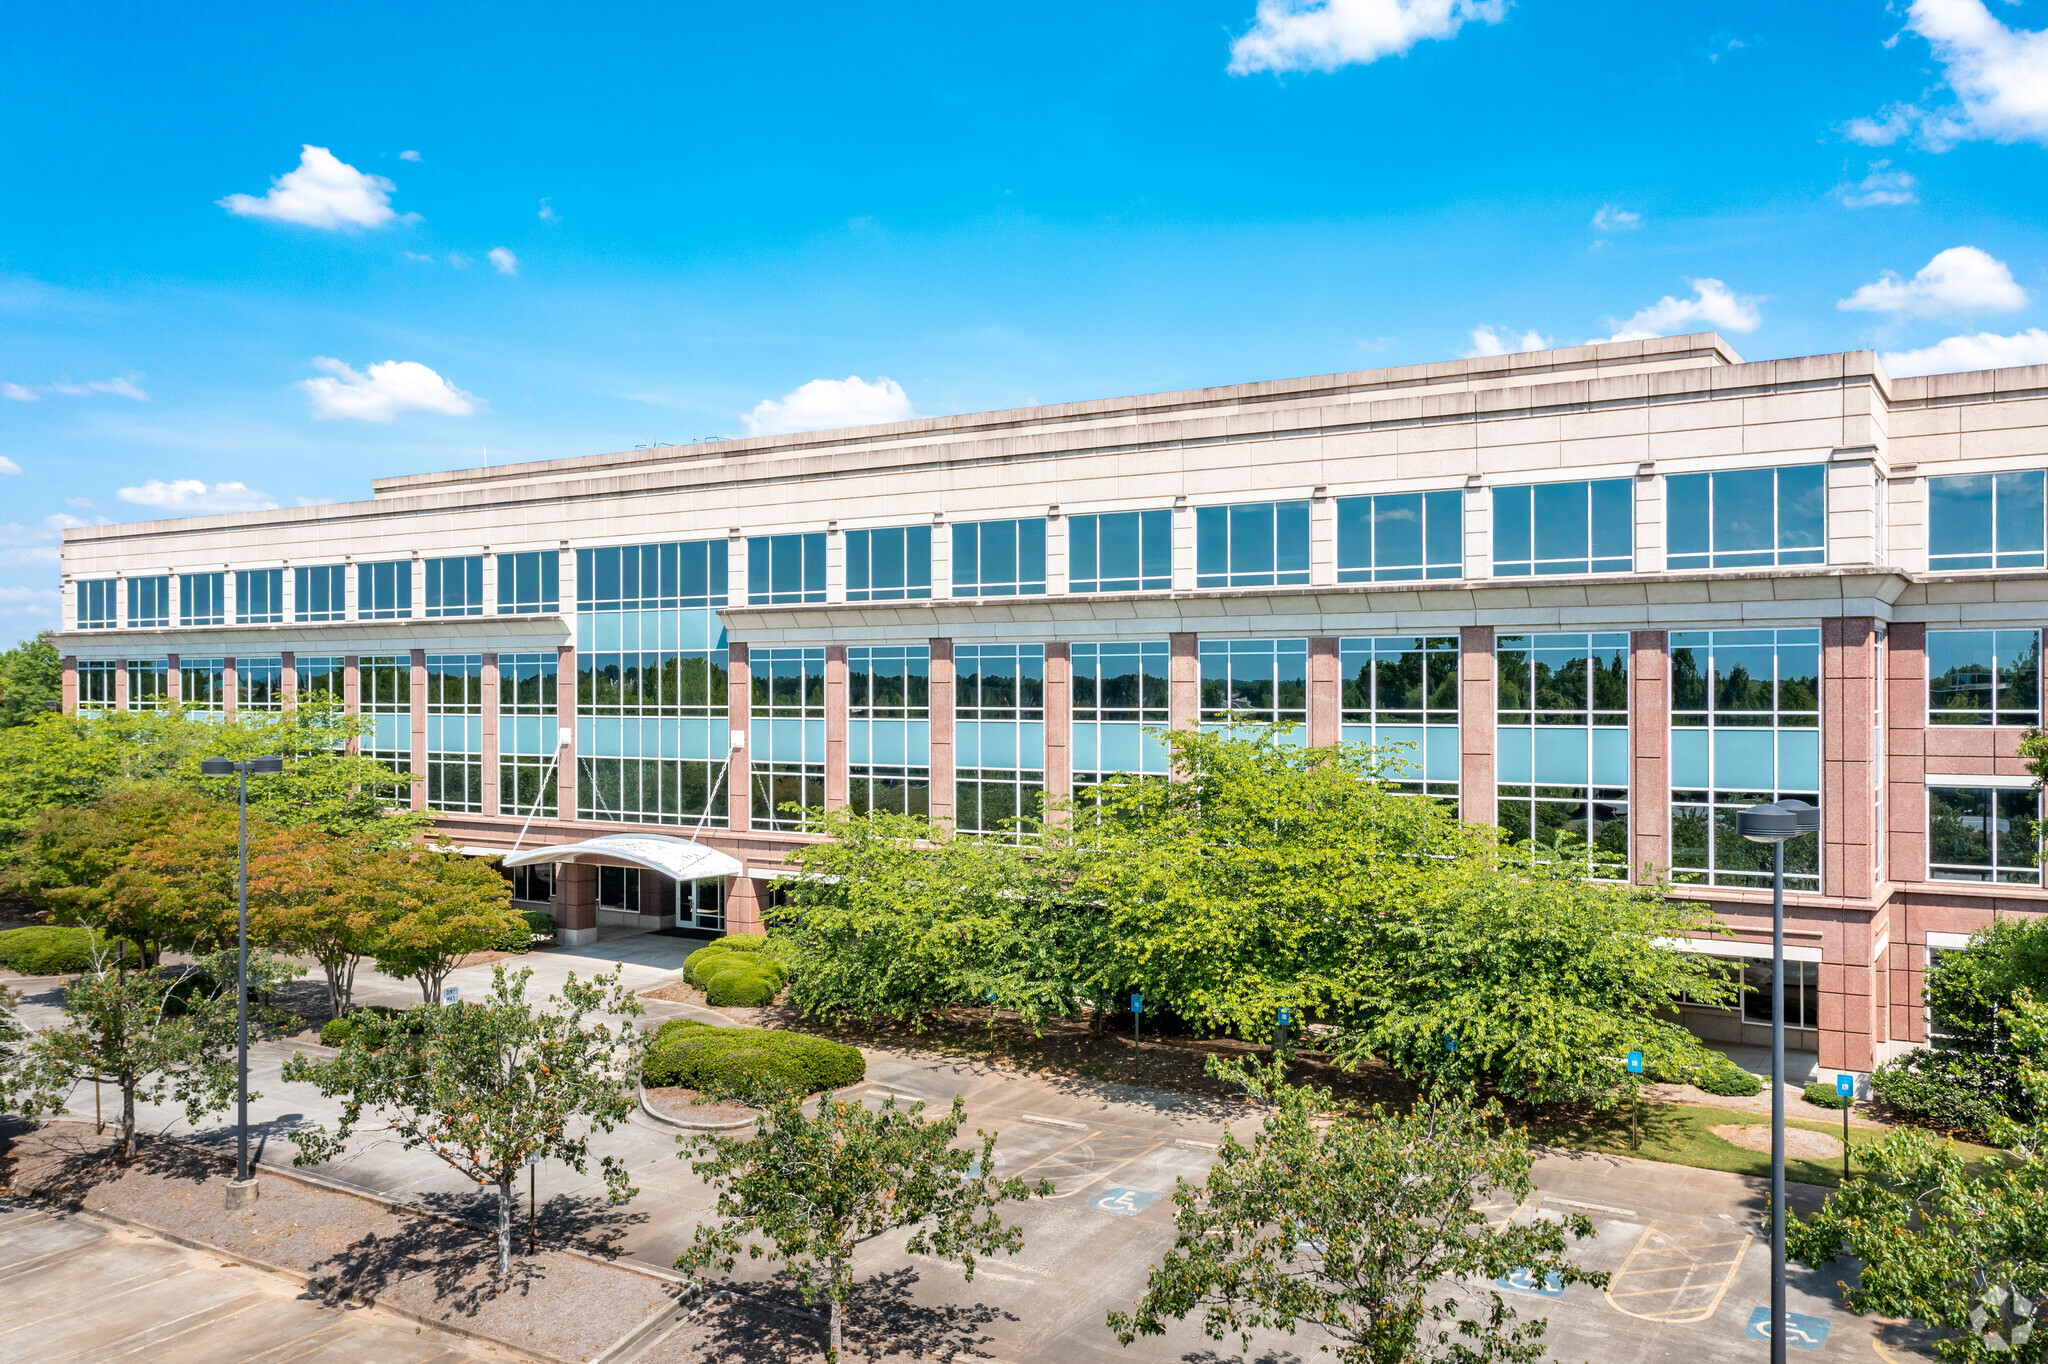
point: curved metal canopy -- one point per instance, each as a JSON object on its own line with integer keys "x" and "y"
{"x": 677, "y": 858}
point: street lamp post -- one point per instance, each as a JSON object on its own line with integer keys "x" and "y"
{"x": 242, "y": 1193}
{"x": 1774, "y": 824}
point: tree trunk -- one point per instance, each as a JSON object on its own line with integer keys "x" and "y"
{"x": 832, "y": 1355}
{"x": 128, "y": 1117}
{"x": 504, "y": 1226}
{"x": 337, "y": 993}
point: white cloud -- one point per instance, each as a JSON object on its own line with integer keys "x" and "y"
{"x": 414, "y": 255}
{"x": 1985, "y": 350}
{"x": 192, "y": 497}
{"x": 1882, "y": 187}
{"x": 408, "y": 156}
{"x": 1322, "y": 35}
{"x": 1961, "y": 279}
{"x": 458, "y": 260}
{"x": 1712, "y": 303}
{"x": 8, "y": 466}
{"x": 507, "y": 263}
{"x": 1998, "y": 75}
{"x": 382, "y": 391}
{"x": 1612, "y": 219}
{"x": 825, "y": 403}
{"x": 324, "y": 192}
{"x": 547, "y": 211}
{"x": 125, "y": 388}
{"x": 20, "y": 394}
{"x": 1487, "y": 341}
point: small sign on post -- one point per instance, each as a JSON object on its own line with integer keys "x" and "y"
{"x": 450, "y": 993}
{"x": 1845, "y": 1090}
{"x": 1137, "y": 1020}
{"x": 1285, "y": 1017}
{"x": 1635, "y": 1063}
{"x": 1635, "y": 1104}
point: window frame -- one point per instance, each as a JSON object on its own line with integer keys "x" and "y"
{"x": 99, "y": 603}
{"x": 1701, "y": 515}
{"x": 368, "y": 594}
{"x": 1218, "y": 531}
{"x": 907, "y": 550}
{"x": 1150, "y": 530}
{"x": 202, "y": 598}
{"x": 1362, "y": 534}
{"x": 313, "y": 581}
{"x": 2027, "y": 484}
{"x": 1523, "y": 527}
{"x": 1026, "y": 558}
{"x": 2001, "y": 808}
{"x": 540, "y": 571}
{"x": 1995, "y": 682}
{"x": 772, "y": 559}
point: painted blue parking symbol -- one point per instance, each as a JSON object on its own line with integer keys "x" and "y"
{"x": 1524, "y": 1281}
{"x": 1124, "y": 1202}
{"x": 1801, "y": 1331}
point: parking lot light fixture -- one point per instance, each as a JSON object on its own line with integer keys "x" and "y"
{"x": 242, "y": 1192}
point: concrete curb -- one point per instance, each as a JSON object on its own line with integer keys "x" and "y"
{"x": 677, "y": 1124}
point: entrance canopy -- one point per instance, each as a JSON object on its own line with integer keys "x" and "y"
{"x": 677, "y": 858}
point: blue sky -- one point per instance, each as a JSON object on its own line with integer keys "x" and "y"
{"x": 256, "y": 255}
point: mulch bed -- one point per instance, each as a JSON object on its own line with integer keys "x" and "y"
{"x": 561, "y": 1306}
{"x": 686, "y": 1106}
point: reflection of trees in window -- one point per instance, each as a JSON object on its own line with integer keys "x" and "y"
{"x": 1984, "y": 677}
{"x": 1983, "y": 833}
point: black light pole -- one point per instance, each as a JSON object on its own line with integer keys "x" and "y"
{"x": 242, "y": 1193}
{"x": 1774, "y": 824}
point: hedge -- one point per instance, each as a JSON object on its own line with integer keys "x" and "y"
{"x": 336, "y": 1031}
{"x": 1821, "y": 1094}
{"x": 747, "y": 1061}
{"x": 539, "y": 922}
{"x": 1950, "y": 1091}
{"x": 49, "y": 951}
{"x": 1723, "y": 1077}
{"x": 736, "y": 970}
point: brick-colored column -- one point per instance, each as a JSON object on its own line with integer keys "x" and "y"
{"x": 71, "y": 684}
{"x": 174, "y": 681}
{"x": 1848, "y": 700}
{"x": 230, "y": 689}
{"x": 1476, "y": 724}
{"x": 575, "y": 904}
{"x": 1059, "y": 720}
{"x": 1649, "y": 768}
{"x": 288, "y": 676}
{"x": 942, "y": 806}
{"x": 567, "y": 771}
{"x": 1905, "y": 797}
{"x": 835, "y": 726}
{"x": 352, "y": 693}
{"x": 1325, "y": 691}
{"x": 121, "y": 684}
{"x": 743, "y": 906}
{"x": 739, "y": 706}
{"x": 419, "y": 729}
{"x": 490, "y": 735}
{"x": 1183, "y": 682}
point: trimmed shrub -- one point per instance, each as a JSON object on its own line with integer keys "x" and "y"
{"x": 738, "y": 969}
{"x": 1723, "y": 1077}
{"x": 539, "y": 922}
{"x": 337, "y": 1031}
{"x": 1950, "y": 1091}
{"x": 747, "y": 1061}
{"x": 45, "y": 950}
{"x": 516, "y": 938}
{"x": 1821, "y": 1094}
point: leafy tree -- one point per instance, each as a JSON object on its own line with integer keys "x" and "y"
{"x": 488, "y": 1087}
{"x": 1943, "y": 1247}
{"x": 310, "y": 894}
{"x": 442, "y": 906}
{"x": 31, "y": 676}
{"x": 816, "y": 1187}
{"x": 1348, "y": 1224}
{"x": 1975, "y": 1073}
{"x": 121, "y": 1029}
{"x": 68, "y": 859}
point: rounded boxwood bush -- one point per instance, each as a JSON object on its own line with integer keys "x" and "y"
{"x": 1723, "y": 1077}
{"x": 1821, "y": 1094}
{"x": 336, "y": 1032}
{"x": 736, "y": 970}
{"x": 746, "y": 1061}
{"x": 46, "y": 950}
{"x": 539, "y": 922}
{"x": 1950, "y": 1091}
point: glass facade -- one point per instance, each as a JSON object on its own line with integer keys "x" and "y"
{"x": 888, "y": 703}
{"x": 259, "y": 683}
{"x": 1255, "y": 681}
{"x": 202, "y": 683}
{"x": 1562, "y": 743}
{"x": 320, "y": 592}
{"x": 202, "y": 599}
{"x": 529, "y": 722}
{"x": 149, "y": 683}
{"x": 96, "y": 683}
{"x": 1255, "y": 544}
{"x": 1745, "y": 730}
{"x": 455, "y": 733}
{"x": 651, "y": 737}
{"x": 1120, "y": 552}
{"x": 785, "y": 569}
{"x": 529, "y": 583}
{"x": 1985, "y": 521}
{"x": 318, "y": 678}
{"x": 998, "y": 736}
{"x": 149, "y": 602}
{"x": 1119, "y": 694}
{"x": 455, "y": 587}
{"x": 384, "y": 694}
{"x": 1565, "y": 528}
{"x": 786, "y": 719}
{"x": 1401, "y": 694}
{"x": 891, "y": 564}
{"x": 384, "y": 591}
{"x": 1984, "y": 677}
{"x": 1400, "y": 537}
{"x": 259, "y": 596}
{"x": 1747, "y": 518}
{"x": 97, "y": 604}
{"x": 1983, "y": 833}
{"x": 999, "y": 558}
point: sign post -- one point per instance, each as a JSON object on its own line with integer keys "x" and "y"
{"x": 1635, "y": 1104}
{"x": 1286, "y": 1019}
{"x": 1137, "y": 1019}
{"x": 1845, "y": 1090}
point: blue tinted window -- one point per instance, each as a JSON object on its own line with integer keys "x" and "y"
{"x": 891, "y": 564}
{"x": 1747, "y": 518}
{"x": 1985, "y": 521}
{"x": 97, "y": 605}
{"x": 202, "y": 599}
{"x": 530, "y": 583}
{"x": 1564, "y": 528}
{"x": 1256, "y": 544}
{"x": 259, "y": 596}
{"x": 149, "y": 602}
{"x": 651, "y": 577}
{"x": 999, "y": 558}
{"x": 384, "y": 591}
{"x": 1398, "y": 537}
{"x": 455, "y": 587}
{"x": 1120, "y": 552}
{"x": 319, "y": 592}
{"x": 782, "y": 569}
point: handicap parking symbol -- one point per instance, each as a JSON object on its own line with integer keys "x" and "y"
{"x": 1801, "y": 1331}
{"x": 1524, "y": 1281}
{"x": 1125, "y": 1202}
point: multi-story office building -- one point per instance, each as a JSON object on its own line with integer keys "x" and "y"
{"x": 1618, "y": 591}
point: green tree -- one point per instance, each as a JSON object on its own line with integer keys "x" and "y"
{"x": 69, "y": 859}
{"x": 122, "y": 1029}
{"x": 490, "y": 1086}
{"x": 1349, "y": 1224}
{"x": 816, "y": 1187}
{"x": 31, "y": 676}
{"x": 441, "y": 906}
{"x": 308, "y": 892}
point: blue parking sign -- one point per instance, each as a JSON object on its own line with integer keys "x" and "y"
{"x": 1845, "y": 1086}
{"x": 1635, "y": 1063}
{"x": 1137, "y": 1004}
{"x": 1801, "y": 1331}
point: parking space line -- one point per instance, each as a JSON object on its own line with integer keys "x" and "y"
{"x": 1678, "y": 1312}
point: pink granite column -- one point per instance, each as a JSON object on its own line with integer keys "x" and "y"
{"x": 419, "y": 729}
{"x": 1325, "y": 692}
{"x": 1649, "y": 793}
{"x": 1059, "y": 721}
{"x": 1183, "y": 681}
{"x": 743, "y": 906}
{"x": 352, "y": 693}
{"x": 836, "y": 777}
{"x": 1848, "y": 702}
{"x": 70, "y": 685}
{"x": 1476, "y": 724}
{"x": 121, "y": 684}
{"x": 942, "y": 749}
{"x": 230, "y": 689}
{"x": 174, "y": 681}
{"x": 490, "y": 735}
{"x": 739, "y": 706}
{"x": 1906, "y": 735}
{"x": 575, "y": 904}
{"x": 567, "y": 770}
{"x": 288, "y": 680}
